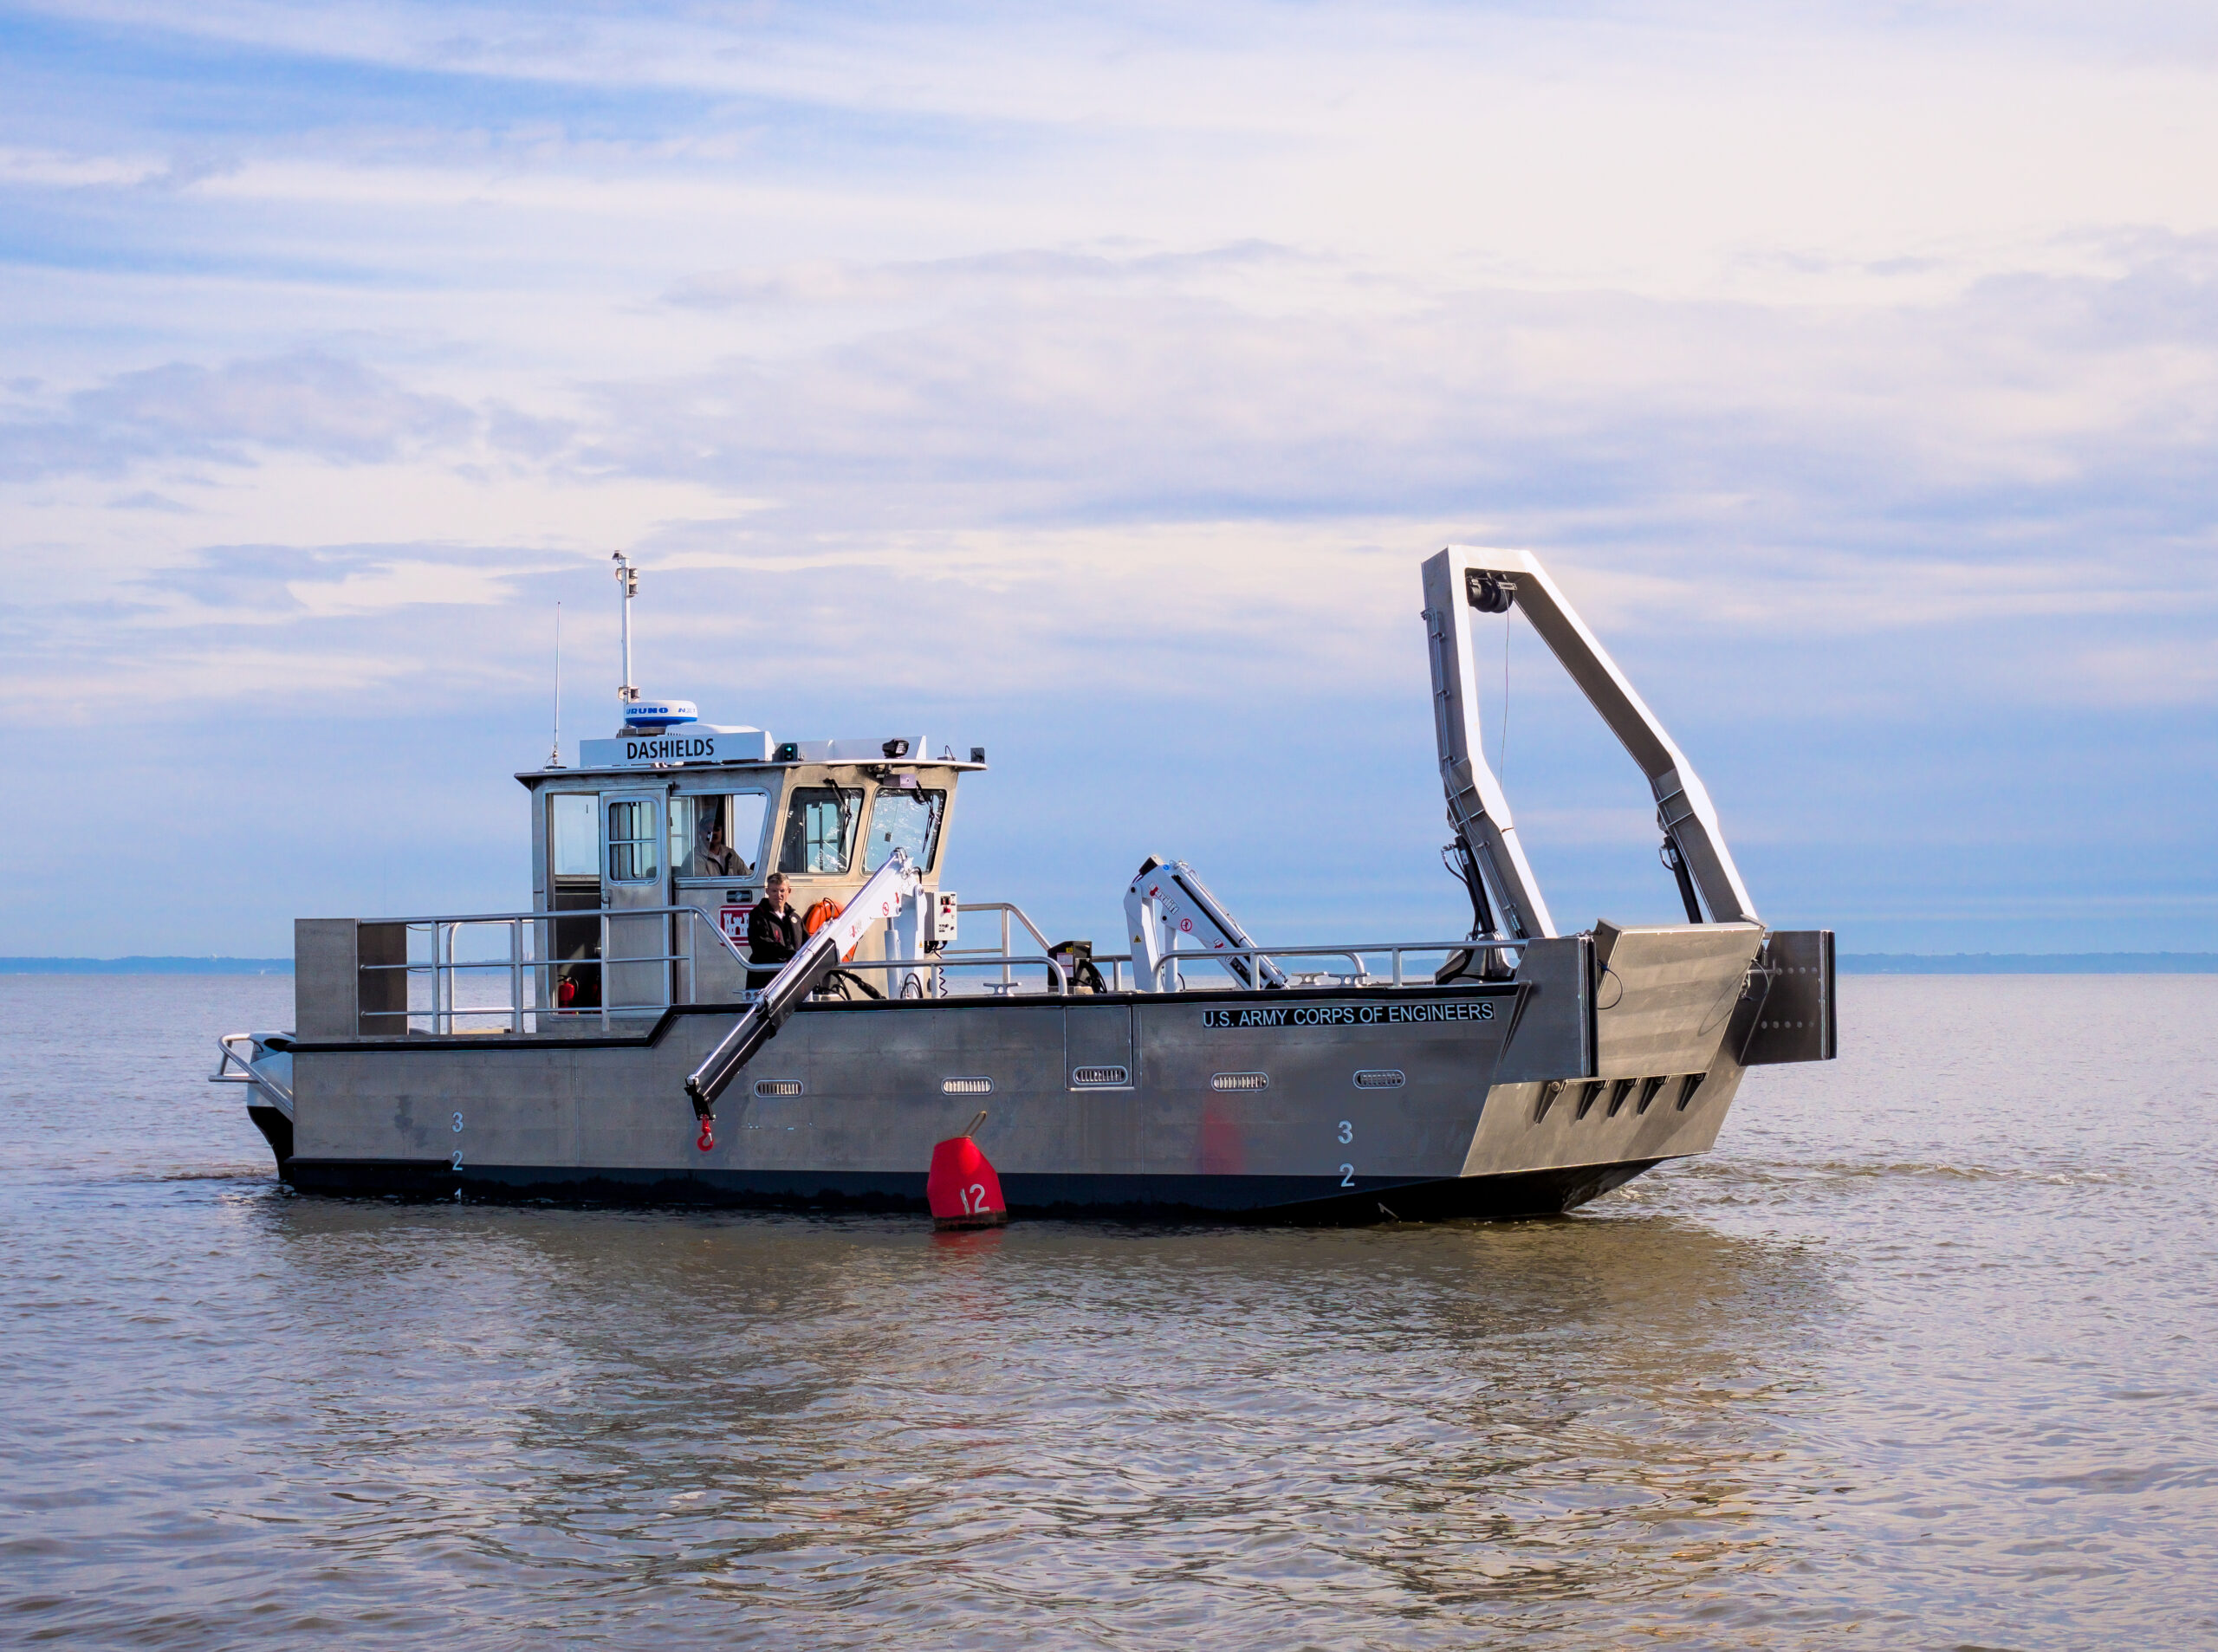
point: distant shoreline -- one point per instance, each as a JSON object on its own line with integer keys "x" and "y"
{"x": 2027, "y": 963}
{"x": 137, "y": 966}
{"x": 1848, "y": 963}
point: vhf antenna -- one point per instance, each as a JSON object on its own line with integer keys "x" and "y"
{"x": 555, "y": 757}
{"x": 628, "y": 577}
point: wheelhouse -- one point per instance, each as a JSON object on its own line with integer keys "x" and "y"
{"x": 648, "y": 825}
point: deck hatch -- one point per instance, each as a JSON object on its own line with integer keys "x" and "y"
{"x": 972, "y": 1086}
{"x": 1381, "y": 1079}
{"x": 767, "y": 1087}
{"x": 1094, "y": 1078}
{"x": 1239, "y": 1081}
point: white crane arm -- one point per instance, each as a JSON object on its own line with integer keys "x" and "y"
{"x": 1169, "y": 910}
{"x": 889, "y": 889}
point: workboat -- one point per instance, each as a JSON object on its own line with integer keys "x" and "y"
{"x": 617, "y": 1042}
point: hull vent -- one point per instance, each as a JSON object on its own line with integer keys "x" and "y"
{"x": 966, "y": 1086}
{"x": 1241, "y": 1081}
{"x": 777, "y": 1086}
{"x": 1381, "y": 1078}
{"x": 1092, "y": 1078}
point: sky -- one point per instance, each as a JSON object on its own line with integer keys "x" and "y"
{"x": 1089, "y": 383}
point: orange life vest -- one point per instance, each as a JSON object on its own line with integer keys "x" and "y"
{"x": 821, "y": 914}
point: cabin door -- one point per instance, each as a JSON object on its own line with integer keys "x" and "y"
{"x": 634, "y": 879}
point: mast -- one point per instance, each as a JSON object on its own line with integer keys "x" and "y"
{"x": 628, "y": 577}
{"x": 555, "y": 756}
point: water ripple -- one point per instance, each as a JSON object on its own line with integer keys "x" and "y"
{"x": 1920, "y": 1357}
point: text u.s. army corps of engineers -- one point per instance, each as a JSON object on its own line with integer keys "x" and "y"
{"x": 1348, "y": 1014}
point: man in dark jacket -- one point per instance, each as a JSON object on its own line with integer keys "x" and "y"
{"x": 774, "y": 932}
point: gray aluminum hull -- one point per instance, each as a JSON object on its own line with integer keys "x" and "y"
{"x": 1323, "y": 1105}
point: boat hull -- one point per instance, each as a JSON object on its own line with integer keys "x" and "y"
{"x": 1326, "y": 1105}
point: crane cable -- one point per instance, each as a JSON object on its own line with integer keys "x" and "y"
{"x": 1502, "y": 751}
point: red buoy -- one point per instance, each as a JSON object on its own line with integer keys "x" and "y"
{"x": 962, "y": 1187}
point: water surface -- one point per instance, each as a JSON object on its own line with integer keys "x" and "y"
{"x": 1922, "y": 1356}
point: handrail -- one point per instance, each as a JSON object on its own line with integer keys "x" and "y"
{"x": 442, "y": 966}
{"x": 1395, "y": 949}
{"x": 935, "y": 961}
{"x": 246, "y": 1073}
{"x": 519, "y": 962}
{"x": 548, "y": 916}
{"x": 1007, "y": 908}
{"x": 1352, "y": 954}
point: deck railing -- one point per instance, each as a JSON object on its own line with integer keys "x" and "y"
{"x": 1170, "y": 979}
{"x": 495, "y": 972}
{"x": 1170, "y": 973}
{"x": 1167, "y": 975}
{"x": 528, "y": 974}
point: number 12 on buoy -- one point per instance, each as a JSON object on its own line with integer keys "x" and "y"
{"x": 961, "y": 1186}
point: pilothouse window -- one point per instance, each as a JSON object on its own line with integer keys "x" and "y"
{"x": 576, "y": 833}
{"x": 820, "y": 830}
{"x": 743, "y": 817}
{"x": 632, "y": 852}
{"x": 716, "y": 836}
{"x": 904, "y": 819}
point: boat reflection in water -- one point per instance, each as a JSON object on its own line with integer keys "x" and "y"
{"x": 802, "y": 1412}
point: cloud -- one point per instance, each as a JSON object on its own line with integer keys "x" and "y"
{"x": 398, "y": 585}
{"x": 2074, "y": 402}
{"x": 54, "y": 169}
{"x": 2156, "y": 671}
{"x": 1004, "y": 274}
{"x": 338, "y": 411}
{"x": 1092, "y": 380}
{"x": 264, "y": 585}
{"x": 1101, "y": 427}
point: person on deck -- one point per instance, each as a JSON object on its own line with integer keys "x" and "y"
{"x": 774, "y": 932}
{"x": 717, "y": 858}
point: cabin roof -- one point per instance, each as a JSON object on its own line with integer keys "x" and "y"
{"x": 860, "y": 755}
